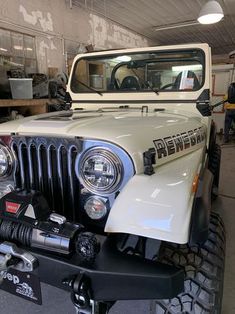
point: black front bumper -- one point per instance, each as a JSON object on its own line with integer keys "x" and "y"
{"x": 114, "y": 275}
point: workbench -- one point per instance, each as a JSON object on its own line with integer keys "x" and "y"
{"x": 28, "y": 107}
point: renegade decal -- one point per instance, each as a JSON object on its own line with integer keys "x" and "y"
{"x": 173, "y": 144}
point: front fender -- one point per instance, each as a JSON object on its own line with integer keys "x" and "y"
{"x": 158, "y": 206}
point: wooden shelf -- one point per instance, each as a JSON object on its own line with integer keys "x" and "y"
{"x": 28, "y": 106}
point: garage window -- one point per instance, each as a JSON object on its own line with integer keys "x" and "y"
{"x": 18, "y": 55}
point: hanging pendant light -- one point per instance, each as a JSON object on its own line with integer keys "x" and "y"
{"x": 210, "y": 13}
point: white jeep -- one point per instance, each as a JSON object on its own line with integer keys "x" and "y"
{"x": 112, "y": 198}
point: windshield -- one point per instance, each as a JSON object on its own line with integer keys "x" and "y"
{"x": 140, "y": 72}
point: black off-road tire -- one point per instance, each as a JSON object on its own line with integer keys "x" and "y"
{"x": 214, "y": 167}
{"x": 204, "y": 270}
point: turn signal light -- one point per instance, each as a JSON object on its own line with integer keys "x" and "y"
{"x": 195, "y": 183}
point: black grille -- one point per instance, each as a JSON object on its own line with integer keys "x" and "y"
{"x": 48, "y": 165}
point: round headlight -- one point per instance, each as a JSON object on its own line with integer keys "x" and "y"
{"x": 100, "y": 171}
{"x": 5, "y": 161}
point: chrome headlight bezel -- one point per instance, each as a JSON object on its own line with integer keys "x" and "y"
{"x": 114, "y": 161}
{"x": 9, "y": 161}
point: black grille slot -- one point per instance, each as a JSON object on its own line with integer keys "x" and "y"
{"x": 48, "y": 165}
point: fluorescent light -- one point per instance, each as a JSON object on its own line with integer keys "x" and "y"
{"x": 210, "y": 13}
{"x": 29, "y": 49}
{"x": 13, "y": 63}
{"x": 18, "y": 47}
{"x": 123, "y": 58}
{"x": 3, "y": 49}
{"x": 175, "y": 25}
{"x": 189, "y": 67}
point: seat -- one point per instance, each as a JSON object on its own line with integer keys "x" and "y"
{"x": 130, "y": 83}
{"x": 189, "y": 74}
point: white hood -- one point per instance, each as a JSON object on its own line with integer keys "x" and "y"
{"x": 133, "y": 131}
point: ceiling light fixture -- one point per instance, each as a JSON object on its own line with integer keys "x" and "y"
{"x": 123, "y": 58}
{"x": 231, "y": 54}
{"x": 210, "y": 13}
{"x": 189, "y": 67}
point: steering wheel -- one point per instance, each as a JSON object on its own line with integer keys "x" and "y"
{"x": 167, "y": 86}
{"x": 117, "y": 83}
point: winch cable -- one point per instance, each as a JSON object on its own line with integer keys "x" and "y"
{"x": 18, "y": 232}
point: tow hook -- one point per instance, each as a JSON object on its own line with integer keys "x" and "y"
{"x": 81, "y": 297}
{"x": 80, "y": 294}
{"x": 12, "y": 256}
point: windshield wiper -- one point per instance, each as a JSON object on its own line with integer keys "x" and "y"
{"x": 88, "y": 87}
{"x": 146, "y": 83}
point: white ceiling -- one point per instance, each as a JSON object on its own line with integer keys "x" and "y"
{"x": 143, "y": 15}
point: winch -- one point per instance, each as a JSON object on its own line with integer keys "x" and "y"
{"x": 26, "y": 219}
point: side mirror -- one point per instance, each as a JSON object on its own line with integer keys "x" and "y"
{"x": 203, "y": 103}
{"x": 204, "y": 109}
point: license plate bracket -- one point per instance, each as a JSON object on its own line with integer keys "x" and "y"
{"x": 22, "y": 284}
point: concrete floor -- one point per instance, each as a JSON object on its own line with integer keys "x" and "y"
{"x": 56, "y": 301}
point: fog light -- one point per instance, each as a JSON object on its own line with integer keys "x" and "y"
{"x": 95, "y": 207}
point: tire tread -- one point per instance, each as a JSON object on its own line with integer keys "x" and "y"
{"x": 204, "y": 268}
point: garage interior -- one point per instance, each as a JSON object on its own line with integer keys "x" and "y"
{"x": 38, "y": 42}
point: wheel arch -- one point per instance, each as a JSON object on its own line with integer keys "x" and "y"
{"x": 201, "y": 209}
{"x": 158, "y": 206}
{"x": 212, "y": 141}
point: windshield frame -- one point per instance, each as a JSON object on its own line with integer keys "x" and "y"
{"x": 121, "y": 52}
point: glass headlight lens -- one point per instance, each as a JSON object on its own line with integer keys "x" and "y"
{"x": 5, "y": 161}
{"x": 95, "y": 208}
{"x": 100, "y": 171}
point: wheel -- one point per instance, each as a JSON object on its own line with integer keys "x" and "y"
{"x": 214, "y": 167}
{"x": 204, "y": 269}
